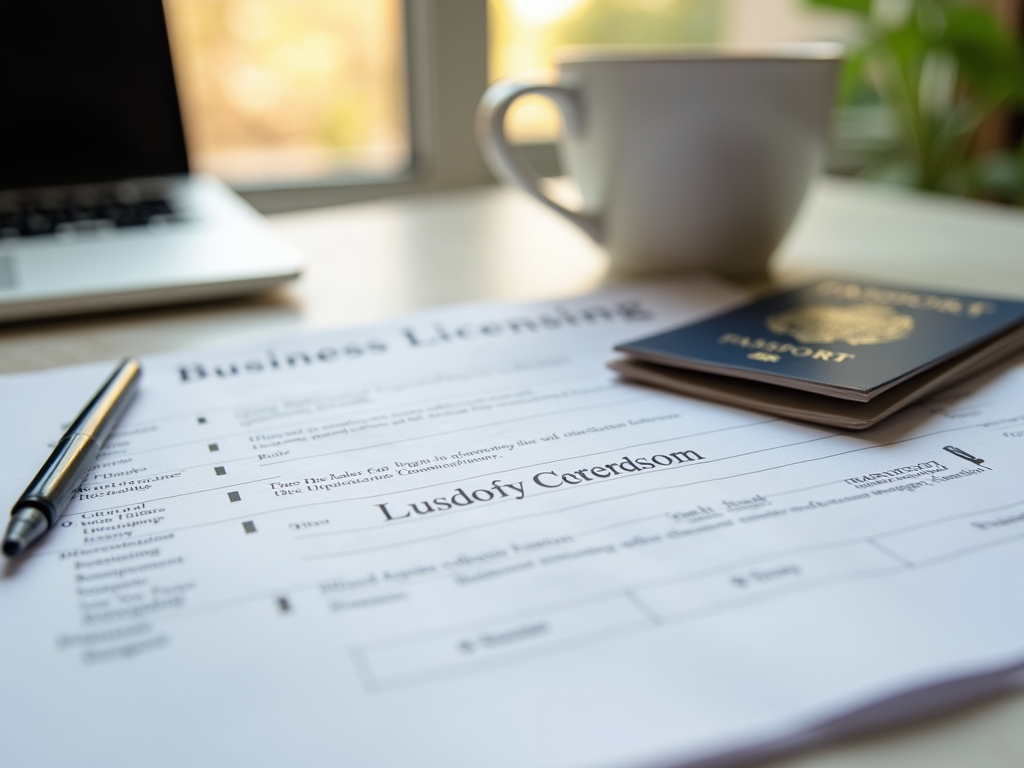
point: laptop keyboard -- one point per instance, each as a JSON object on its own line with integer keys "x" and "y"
{"x": 32, "y": 220}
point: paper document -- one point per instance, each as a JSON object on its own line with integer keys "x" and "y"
{"x": 456, "y": 540}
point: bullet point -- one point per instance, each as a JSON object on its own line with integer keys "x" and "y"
{"x": 201, "y": 419}
{"x": 214, "y": 447}
{"x": 249, "y": 526}
{"x": 220, "y": 470}
{"x": 234, "y": 496}
{"x": 283, "y": 604}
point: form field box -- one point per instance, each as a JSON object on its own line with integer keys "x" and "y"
{"x": 500, "y": 640}
{"x": 766, "y": 578}
{"x": 949, "y": 537}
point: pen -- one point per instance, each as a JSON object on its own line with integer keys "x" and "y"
{"x": 49, "y": 493}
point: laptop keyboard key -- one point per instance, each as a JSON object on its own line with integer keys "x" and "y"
{"x": 104, "y": 214}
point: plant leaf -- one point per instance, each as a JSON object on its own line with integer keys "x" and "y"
{"x": 991, "y": 60}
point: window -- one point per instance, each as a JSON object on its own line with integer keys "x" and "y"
{"x": 284, "y": 92}
{"x": 305, "y": 103}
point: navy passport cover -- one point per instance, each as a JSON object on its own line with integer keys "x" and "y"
{"x": 849, "y": 339}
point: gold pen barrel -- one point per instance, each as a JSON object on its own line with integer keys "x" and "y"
{"x": 98, "y": 418}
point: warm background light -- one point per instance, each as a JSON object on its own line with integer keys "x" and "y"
{"x": 291, "y": 89}
{"x": 279, "y": 91}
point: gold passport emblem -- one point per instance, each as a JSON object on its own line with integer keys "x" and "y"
{"x": 857, "y": 324}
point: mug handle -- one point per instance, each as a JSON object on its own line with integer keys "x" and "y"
{"x": 507, "y": 163}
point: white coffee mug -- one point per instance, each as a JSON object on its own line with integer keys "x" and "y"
{"x": 685, "y": 160}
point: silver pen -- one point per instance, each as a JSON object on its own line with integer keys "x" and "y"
{"x": 60, "y": 477}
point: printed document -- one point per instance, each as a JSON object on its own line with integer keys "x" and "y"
{"x": 457, "y": 540}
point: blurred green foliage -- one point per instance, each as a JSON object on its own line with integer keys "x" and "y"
{"x": 930, "y": 72}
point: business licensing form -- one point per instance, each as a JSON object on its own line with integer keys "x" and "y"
{"x": 457, "y": 540}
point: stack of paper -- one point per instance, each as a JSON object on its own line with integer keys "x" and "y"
{"x": 458, "y": 540}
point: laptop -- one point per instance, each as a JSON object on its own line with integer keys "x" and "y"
{"x": 98, "y": 210}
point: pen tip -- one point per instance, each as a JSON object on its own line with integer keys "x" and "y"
{"x": 27, "y": 524}
{"x": 12, "y": 547}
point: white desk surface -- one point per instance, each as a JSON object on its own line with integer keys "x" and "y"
{"x": 376, "y": 260}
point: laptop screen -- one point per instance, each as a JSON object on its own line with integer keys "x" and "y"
{"x": 88, "y": 93}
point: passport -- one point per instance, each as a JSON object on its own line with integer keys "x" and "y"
{"x": 801, "y": 353}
